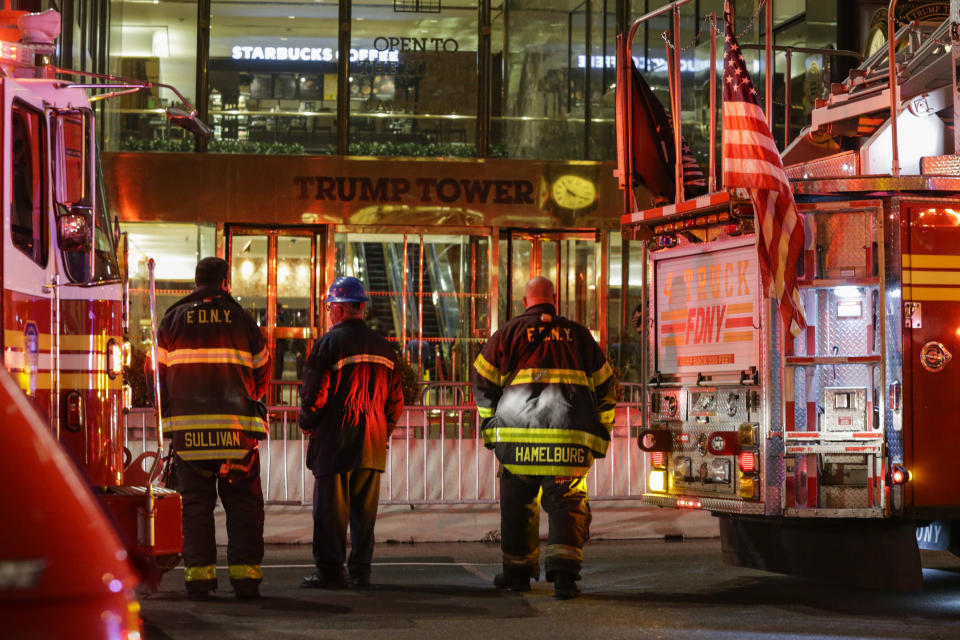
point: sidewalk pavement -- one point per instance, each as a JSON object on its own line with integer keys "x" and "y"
{"x": 612, "y": 520}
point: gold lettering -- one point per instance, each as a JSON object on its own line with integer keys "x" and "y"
{"x": 188, "y": 439}
{"x": 529, "y": 334}
{"x": 701, "y": 283}
{"x": 555, "y": 333}
{"x": 687, "y": 279}
{"x": 202, "y": 316}
{"x": 190, "y": 315}
{"x": 567, "y": 331}
{"x": 226, "y": 315}
{"x": 743, "y": 287}
{"x": 715, "y": 280}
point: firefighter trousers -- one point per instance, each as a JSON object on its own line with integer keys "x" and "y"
{"x": 199, "y": 482}
{"x": 568, "y": 508}
{"x": 342, "y": 499}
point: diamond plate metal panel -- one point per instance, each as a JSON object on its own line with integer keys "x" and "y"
{"x": 893, "y": 419}
{"x": 707, "y": 504}
{"x": 843, "y": 497}
{"x": 840, "y": 165}
{"x": 842, "y": 244}
{"x": 948, "y": 165}
{"x": 844, "y": 409}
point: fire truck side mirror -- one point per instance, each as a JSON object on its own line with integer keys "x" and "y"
{"x": 188, "y": 120}
{"x": 74, "y": 230}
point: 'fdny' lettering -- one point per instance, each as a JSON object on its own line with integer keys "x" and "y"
{"x": 559, "y": 334}
{"x": 211, "y": 439}
{"x": 208, "y": 316}
{"x": 705, "y": 323}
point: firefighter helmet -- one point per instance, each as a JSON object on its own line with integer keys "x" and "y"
{"x": 346, "y": 289}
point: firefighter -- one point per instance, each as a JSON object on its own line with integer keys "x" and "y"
{"x": 351, "y": 400}
{"x": 214, "y": 365}
{"x": 546, "y": 396}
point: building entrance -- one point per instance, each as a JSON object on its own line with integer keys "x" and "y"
{"x": 429, "y": 294}
{"x": 571, "y": 259}
{"x": 274, "y": 276}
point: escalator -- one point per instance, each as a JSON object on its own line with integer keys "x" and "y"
{"x": 377, "y": 285}
{"x": 383, "y": 273}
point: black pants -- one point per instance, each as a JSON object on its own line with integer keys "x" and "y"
{"x": 345, "y": 498}
{"x": 565, "y": 501}
{"x": 199, "y": 483}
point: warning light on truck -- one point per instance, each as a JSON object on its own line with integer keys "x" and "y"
{"x": 898, "y": 475}
{"x": 657, "y": 480}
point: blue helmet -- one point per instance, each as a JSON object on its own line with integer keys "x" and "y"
{"x": 346, "y": 289}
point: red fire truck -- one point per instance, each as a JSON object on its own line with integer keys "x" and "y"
{"x": 829, "y": 455}
{"x": 63, "y": 301}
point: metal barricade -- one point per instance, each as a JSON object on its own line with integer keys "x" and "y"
{"x": 436, "y": 456}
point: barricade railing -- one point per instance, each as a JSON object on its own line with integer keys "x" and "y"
{"x": 436, "y": 456}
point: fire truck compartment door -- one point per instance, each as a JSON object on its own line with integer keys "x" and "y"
{"x": 931, "y": 279}
{"x": 706, "y": 308}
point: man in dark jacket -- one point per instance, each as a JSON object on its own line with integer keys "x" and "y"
{"x": 214, "y": 365}
{"x": 351, "y": 401}
{"x": 546, "y": 395}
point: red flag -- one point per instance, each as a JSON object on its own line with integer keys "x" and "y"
{"x": 751, "y": 161}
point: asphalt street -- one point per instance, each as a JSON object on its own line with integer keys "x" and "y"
{"x": 631, "y": 589}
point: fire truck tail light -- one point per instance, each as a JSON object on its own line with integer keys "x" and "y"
{"x": 689, "y": 503}
{"x": 657, "y": 480}
{"x": 127, "y": 396}
{"x": 658, "y": 459}
{"x": 114, "y": 358}
{"x": 748, "y": 461}
{"x": 898, "y": 474}
{"x": 74, "y": 411}
{"x": 748, "y": 487}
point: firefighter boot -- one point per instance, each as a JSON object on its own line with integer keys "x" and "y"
{"x": 511, "y": 578}
{"x": 565, "y": 585}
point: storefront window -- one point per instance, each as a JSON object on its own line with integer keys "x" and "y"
{"x": 273, "y": 77}
{"x": 553, "y": 79}
{"x": 156, "y": 42}
{"x": 413, "y": 79}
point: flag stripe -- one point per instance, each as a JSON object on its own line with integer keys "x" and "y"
{"x": 752, "y": 162}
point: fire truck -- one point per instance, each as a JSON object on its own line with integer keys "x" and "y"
{"x": 64, "y": 302}
{"x": 832, "y": 454}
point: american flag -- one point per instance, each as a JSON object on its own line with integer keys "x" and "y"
{"x": 751, "y": 161}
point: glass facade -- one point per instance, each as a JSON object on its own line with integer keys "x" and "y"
{"x": 537, "y": 85}
{"x": 415, "y": 79}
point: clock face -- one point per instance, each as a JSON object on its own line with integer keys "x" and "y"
{"x": 876, "y": 40}
{"x": 573, "y": 192}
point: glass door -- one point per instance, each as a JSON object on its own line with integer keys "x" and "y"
{"x": 274, "y": 276}
{"x": 571, "y": 259}
{"x": 428, "y": 295}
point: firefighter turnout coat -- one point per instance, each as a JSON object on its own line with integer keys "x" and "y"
{"x": 214, "y": 365}
{"x": 546, "y": 395}
{"x": 351, "y": 399}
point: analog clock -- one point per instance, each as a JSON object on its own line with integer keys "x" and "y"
{"x": 573, "y": 192}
